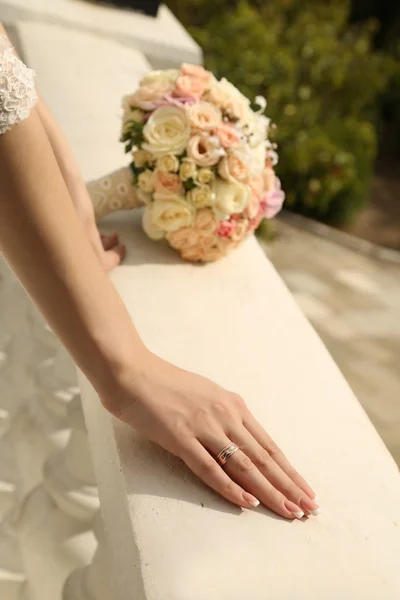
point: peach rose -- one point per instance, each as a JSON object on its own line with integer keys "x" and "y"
{"x": 234, "y": 166}
{"x": 167, "y": 183}
{"x": 253, "y": 207}
{"x": 196, "y": 71}
{"x": 205, "y": 150}
{"x": 204, "y": 116}
{"x": 228, "y": 98}
{"x": 227, "y": 135}
{"x": 183, "y": 238}
{"x": 240, "y": 230}
{"x": 269, "y": 179}
{"x": 256, "y": 185}
{"x": 187, "y": 86}
{"x": 151, "y": 95}
{"x": 205, "y": 220}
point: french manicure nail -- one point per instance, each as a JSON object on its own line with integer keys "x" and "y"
{"x": 315, "y": 512}
{"x": 294, "y": 509}
{"x": 309, "y": 505}
{"x": 251, "y": 500}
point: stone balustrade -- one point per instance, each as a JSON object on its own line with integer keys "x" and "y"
{"x": 162, "y": 534}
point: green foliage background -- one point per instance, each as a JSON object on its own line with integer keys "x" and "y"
{"x": 322, "y": 80}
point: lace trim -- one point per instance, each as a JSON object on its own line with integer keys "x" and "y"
{"x": 114, "y": 192}
{"x": 17, "y": 88}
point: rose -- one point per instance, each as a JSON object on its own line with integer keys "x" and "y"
{"x": 153, "y": 88}
{"x": 167, "y": 75}
{"x": 256, "y": 128}
{"x": 273, "y": 200}
{"x": 269, "y": 179}
{"x": 146, "y": 181}
{"x": 228, "y": 98}
{"x": 192, "y": 81}
{"x": 168, "y": 163}
{"x": 234, "y": 166}
{"x": 185, "y": 237}
{"x": 226, "y": 229}
{"x": 205, "y": 176}
{"x": 167, "y": 183}
{"x": 170, "y": 213}
{"x": 256, "y": 185}
{"x": 205, "y": 150}
{"x": 187, "y": 170}
{"x": 201, "y": 196}
{"x": 257, "y": 159}
{"x": 167, "y": 131}
{"x": 230, "y": 198}
{"x": 130, "y": 112}
{"x": 153, "y": 232}
{"x": 204, "y": 116}
{"x": 240, "y": 230}
{"x": 196, "y": 71}
{"x": 227, "y": 135}
{"x": 141, "y": 158}
{"x": 205, "y": 220}
{"x": 253, "y": 207}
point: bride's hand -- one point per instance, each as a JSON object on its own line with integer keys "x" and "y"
{"x": 195, "y": 419}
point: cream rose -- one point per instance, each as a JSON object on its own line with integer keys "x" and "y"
{"x": 227, "y": 97}
{"x": 168, "y": 163}
{"x": 257, "y": 160}
{"x": 146, "y": 181}
{"x": 204, "y": 116}
{"x": 188, "y": 169}
{"x": 167, "y": 131}
{"x": 167, "y": 183}
{"x": 153, "y": 88}
{"x": 230, "y": 198}
{"x": 153, "y": 232}
{"x": 205, "y": 150}
{"x": 141, "y": 158}
{"x": 201, "y": 196}
{"x": 170, "y": 213}
{"x": 166, "y": 75}
{"x": 234, "y": 166}
{"x": 205, "y": 176}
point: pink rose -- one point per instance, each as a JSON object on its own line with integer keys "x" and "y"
{"x": 179, "y": 102}
{"x": 167, "y": 183}
{"x": 226, "y": 229}
{"x": 196, "y": 71}
{"x": 273, "y": 200}
{"x": 187, "y": 86}
{"x": 227, "y": 135}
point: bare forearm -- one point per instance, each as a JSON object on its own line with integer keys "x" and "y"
{"x": 43, "y": 240}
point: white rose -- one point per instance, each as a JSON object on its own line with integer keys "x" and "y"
{"x": 168, "y": 163}
{"x": 146, "y": 181}
{"x": 153, "y": 232}
{"x": 170, "y": 213}
{"x": 230, "y": 198}
{"x": 187, "y": 169}
{"x": 201, "y": 196}
{"x": 141, "y": 158}
{"x": 167, "y": 131}
{"x": 169, "y": 75}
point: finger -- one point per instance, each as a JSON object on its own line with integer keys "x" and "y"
{"x": 241, "y": 470}
{"x": 265, "y": 441}
{"x": 109, "y": 241}
{"x": 272, "y": 471}
{"x": 208, "y": 470}
{"x": 112, "y": 258}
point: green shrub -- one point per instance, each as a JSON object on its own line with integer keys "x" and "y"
{"x": 322, "y": 81}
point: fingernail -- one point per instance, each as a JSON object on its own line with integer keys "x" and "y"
{"x": 251, "y": 500}
{"x": 309, "y": 505}
{"x": 294, "y": 509}
{"x": 315, "y": 512}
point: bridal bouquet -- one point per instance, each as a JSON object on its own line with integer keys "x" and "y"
{"x": 202, "y": 161}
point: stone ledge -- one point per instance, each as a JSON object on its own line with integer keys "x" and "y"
{"x": 340, "y": 237}
{"x": 162, "y": 39}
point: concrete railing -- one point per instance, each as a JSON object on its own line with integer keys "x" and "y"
{"x": 162, "y": 534}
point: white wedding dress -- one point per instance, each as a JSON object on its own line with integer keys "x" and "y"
{"x": 17, "y": 88}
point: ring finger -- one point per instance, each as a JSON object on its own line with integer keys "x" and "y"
{"x": 241, "y": 469}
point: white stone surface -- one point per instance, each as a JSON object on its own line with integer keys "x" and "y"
{"x": 172, "y": 538}
{"x": 162, "y": 39}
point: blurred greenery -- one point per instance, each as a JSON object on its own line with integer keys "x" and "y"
{"x": 323, "y": 82}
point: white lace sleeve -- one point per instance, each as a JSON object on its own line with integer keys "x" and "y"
{"x": 113, "y": 192}
{"x": 17, "y": 89}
